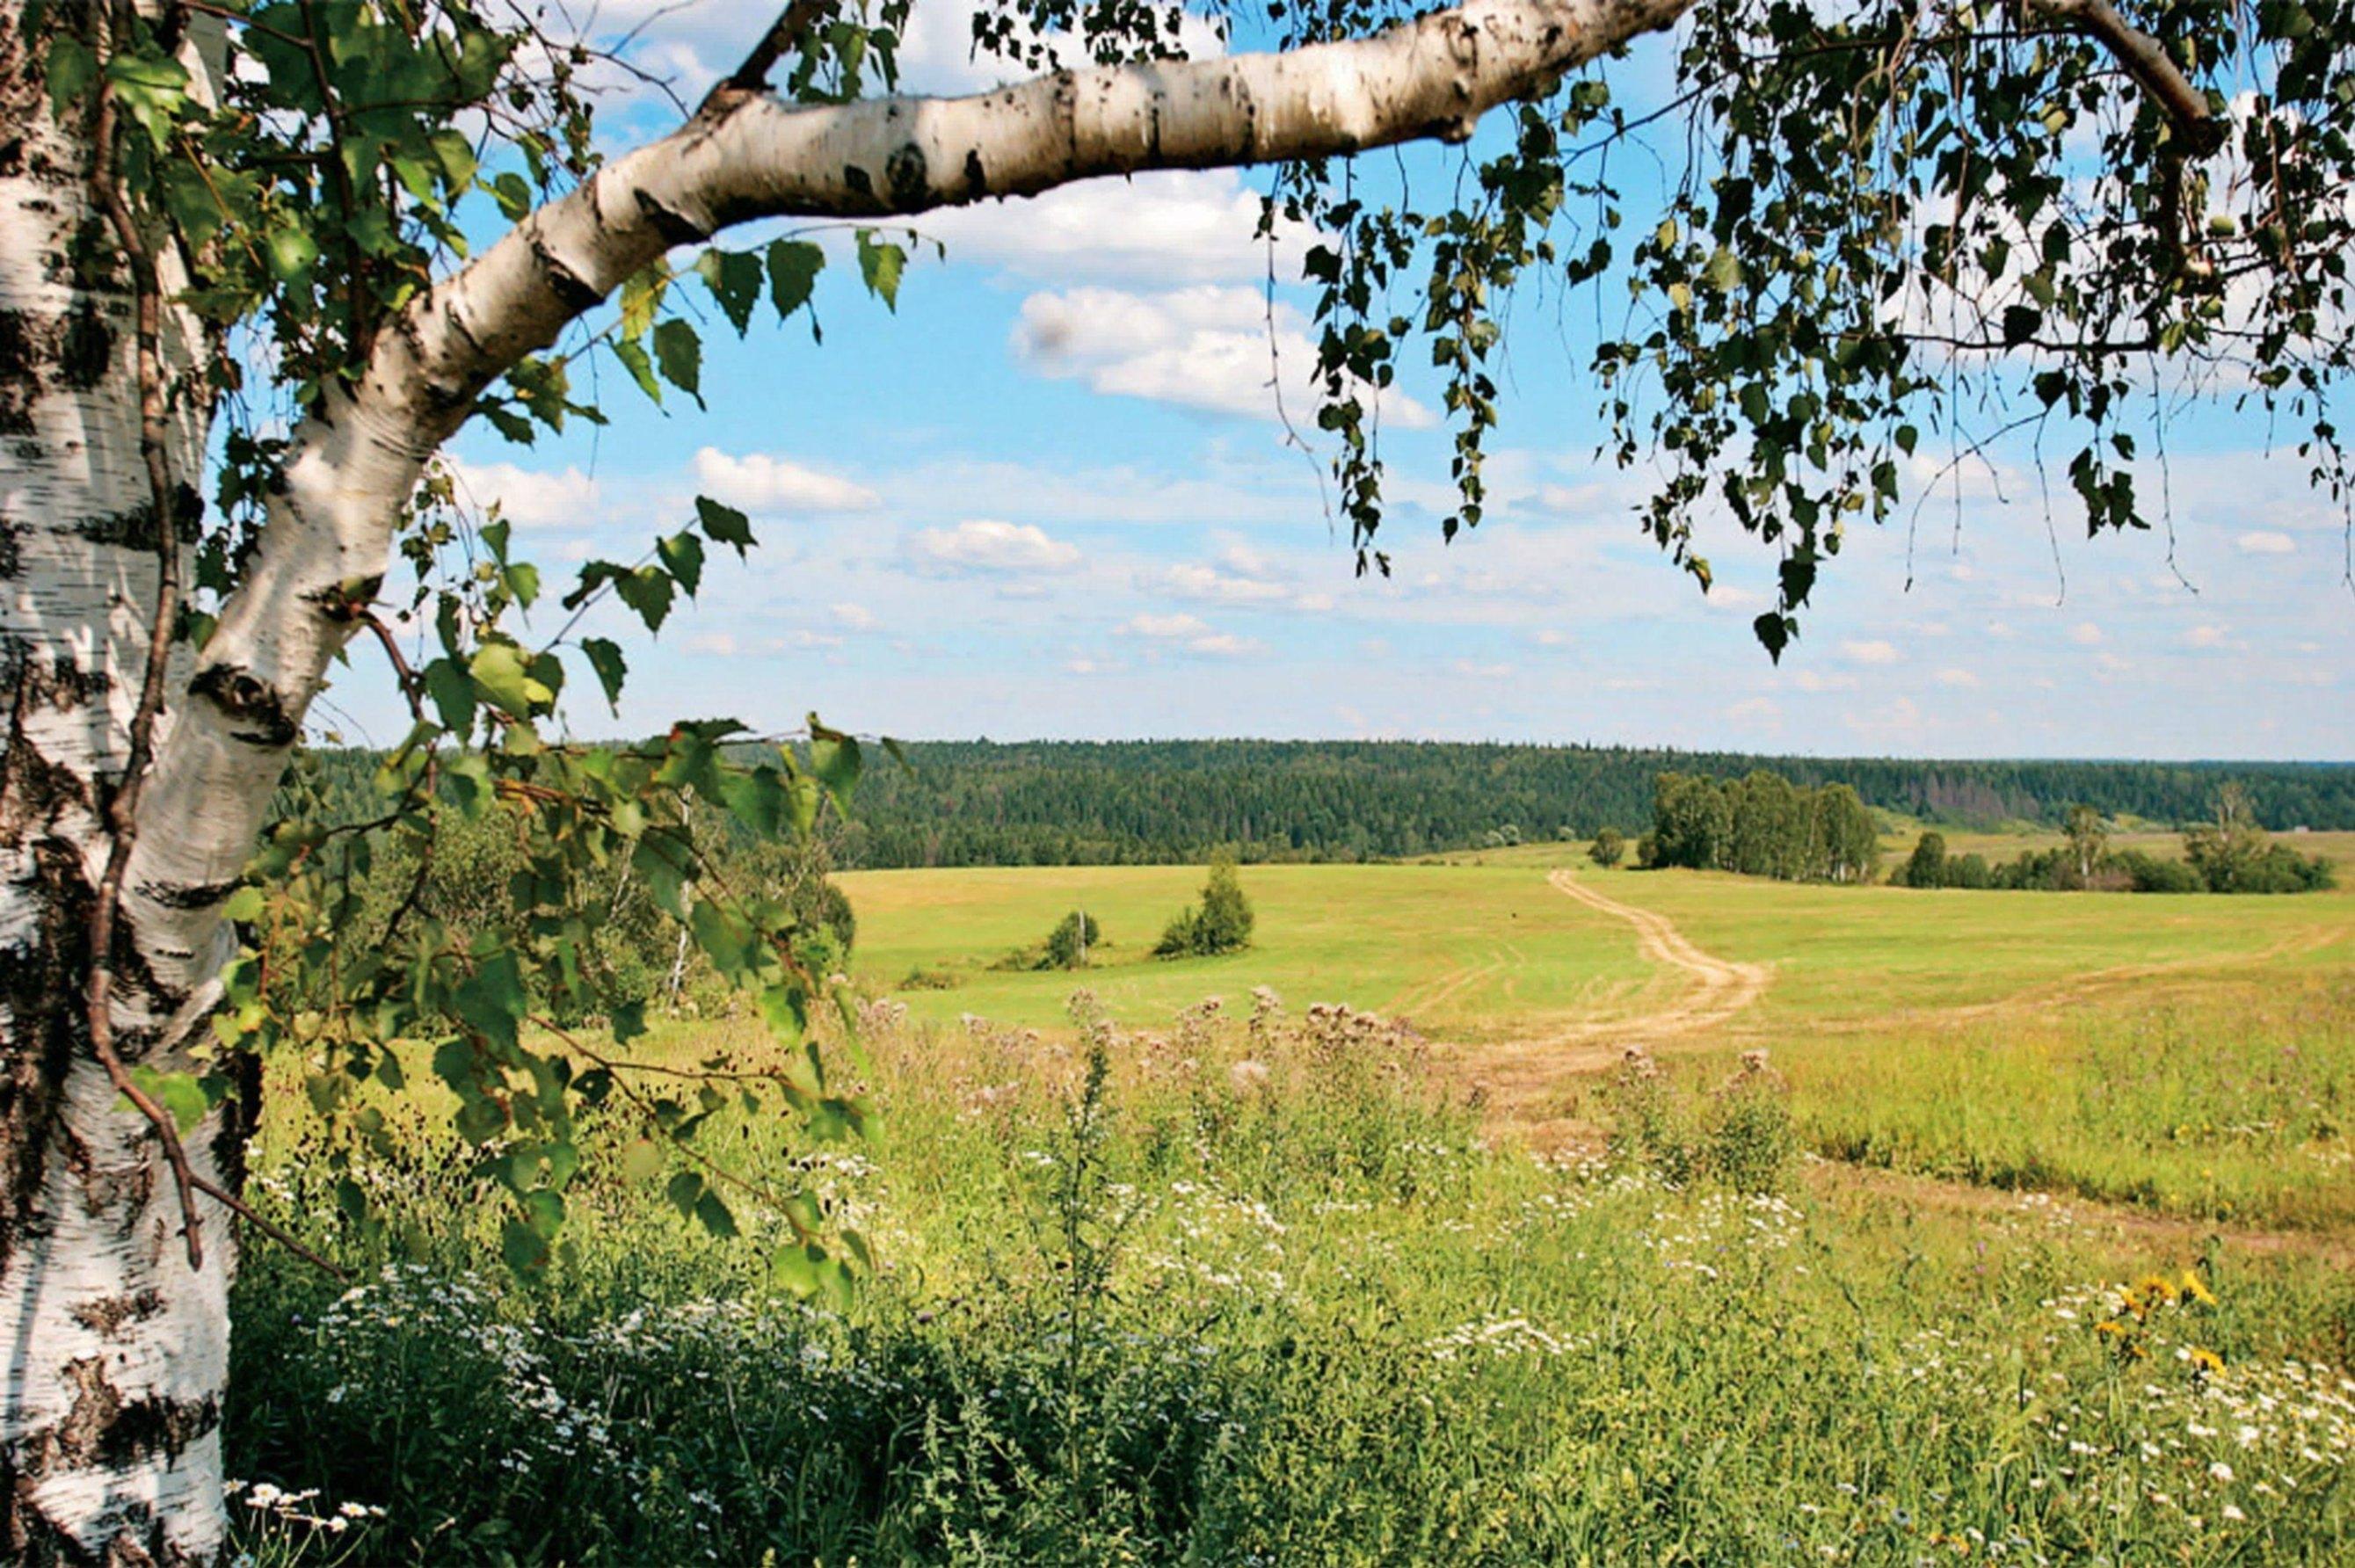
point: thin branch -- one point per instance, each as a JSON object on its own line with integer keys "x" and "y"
{"x": 2144, "y": 58}
{"x": 279, "y": 1234}
{"x": 784, "y": 33}
{"x": 122, "y": 811}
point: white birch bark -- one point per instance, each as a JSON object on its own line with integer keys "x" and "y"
{"x": 117, "y": 1351}
{"x": 109, "y": 1433}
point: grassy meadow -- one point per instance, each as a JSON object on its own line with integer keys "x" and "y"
{"x": 2032, "y": 1240}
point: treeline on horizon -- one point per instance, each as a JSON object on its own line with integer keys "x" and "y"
{"x": 975, "y": 802}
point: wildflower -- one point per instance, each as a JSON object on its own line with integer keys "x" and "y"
{"x": 2157, "y": 1288}
{"x": 2220, "y": 1471}
{"x": 2204, "y": 1362}
{"x": 2233, "y": 1514}
{"x": 2197, "y": 1291}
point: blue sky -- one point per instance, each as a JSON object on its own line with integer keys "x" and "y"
{"x": 1049, "y": 496}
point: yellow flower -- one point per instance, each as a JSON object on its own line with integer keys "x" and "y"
{"x": 2158, "y": 1289}
{"x": 2205, "y": 1362}
{"x": 2111, "y": 1327}
{"x": 2198, "y": 1292}
{"x": 2132, "y": 1302}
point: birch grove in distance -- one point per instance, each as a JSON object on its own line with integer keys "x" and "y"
{"x": 247, "y": 296}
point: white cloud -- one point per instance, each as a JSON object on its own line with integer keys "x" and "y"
{"x": 1191, "y": 634}
{"x": 857, "y": 617}
{"x": 1166, "y": 228}
{"x": 1808, "y": 681}
{"x": 986, "y": 544}
{"x": 1206, "y": 582}
{"x": 1164, "y": 626}
{"x": 528, "y": 499}
{"x": 2085, "y": 633}
{"x": 1876, "y": 651}
{"x": 759, "y": 482}
{"x": 2265, "y": 542}
{"x": 1472, "y": 671}
{"x": 1207, "y": 347}
{"x": 2204, "y": 636}
{"x": 1961, "y": 679}
{"x": 719, "y": 643}
{"x": 1755, "y": 710}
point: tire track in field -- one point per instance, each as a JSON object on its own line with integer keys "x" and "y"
{"x": 1519, "y": 1071}
{"x": 1722, "y": 987}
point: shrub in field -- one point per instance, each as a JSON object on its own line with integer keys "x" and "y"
{"x": 1751, "y": 1137}
{"x": 1610, "y": 847}
{"x": 1741, "y": 1135}
{"x": 1221, "y": 923}
{"x": 1074, "y": 936}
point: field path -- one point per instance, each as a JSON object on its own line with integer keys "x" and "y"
{"x": 1521, "y": 1076}
{"x": 1724, "y": 987}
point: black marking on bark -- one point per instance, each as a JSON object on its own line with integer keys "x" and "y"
{"x": 189, "y": 895}
{"x": 50, "y": 677}
{"x": 22, "y": 352}
{"x": 573, "y": 291}
{"x": 107, "y": 1316}
{"x": 133, "y": 527}
{"x": 240, "y": 1119}
{"x": 861, "y": 185}
{"x": 12, "y": 554}
{"x": 86, "y": 355}
{"x": 675, "y": 227}
{"x": 976, "y": 182}
{"x": 905, "y": 173}
{"x": 103, "y": 1429}
{"x": 44, "y": 1036}
{"x": 259, "y": 712}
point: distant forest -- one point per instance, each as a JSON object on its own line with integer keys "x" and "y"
{"x": 974, "y": 802}
{"x": 1051, "y": 803}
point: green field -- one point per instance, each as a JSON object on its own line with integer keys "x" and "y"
{"x": 1157, "y": 1284}
{"x": 1491, "y": 950}
{"x": 1457, "y": 951}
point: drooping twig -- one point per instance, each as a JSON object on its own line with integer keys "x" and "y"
{"x": 122, "y": 811}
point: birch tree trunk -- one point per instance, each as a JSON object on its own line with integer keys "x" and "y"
{"x": 117, "y": 1349}
{"x": 110, "y": 1439}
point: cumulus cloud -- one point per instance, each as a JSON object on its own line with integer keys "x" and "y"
{"x": 528, "y": 498}
{"x": 1192, "y": 633}
{"x": 1166, "y": 228}
{"x": 856, "y": 617}
{"x": 989, "y": 544}
{"x": 2085, "y": 633}
{"x": 1194, "y": 581}
{"x": 1206, "y": 347}
{"x": 2204, "y": 636}
{"x": 1961, "y": 679}
{"x": 2265, "y": 542}
{"x": 1876, "y": 651}
{"x": 1165, "y": 626}
{"x": 757, "y": 482}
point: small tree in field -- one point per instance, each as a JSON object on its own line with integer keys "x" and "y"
{"x": 1221, "y": 923}
{"x": 1926, "y": 867}
{"x": 1610, "y": 847}
{"x": 1074, "y": 938}
{"x": 2088, "y": 837}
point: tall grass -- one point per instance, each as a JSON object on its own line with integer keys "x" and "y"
{"x": 2234, "y": 1106}
{"x": 1255, "y": 1289}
